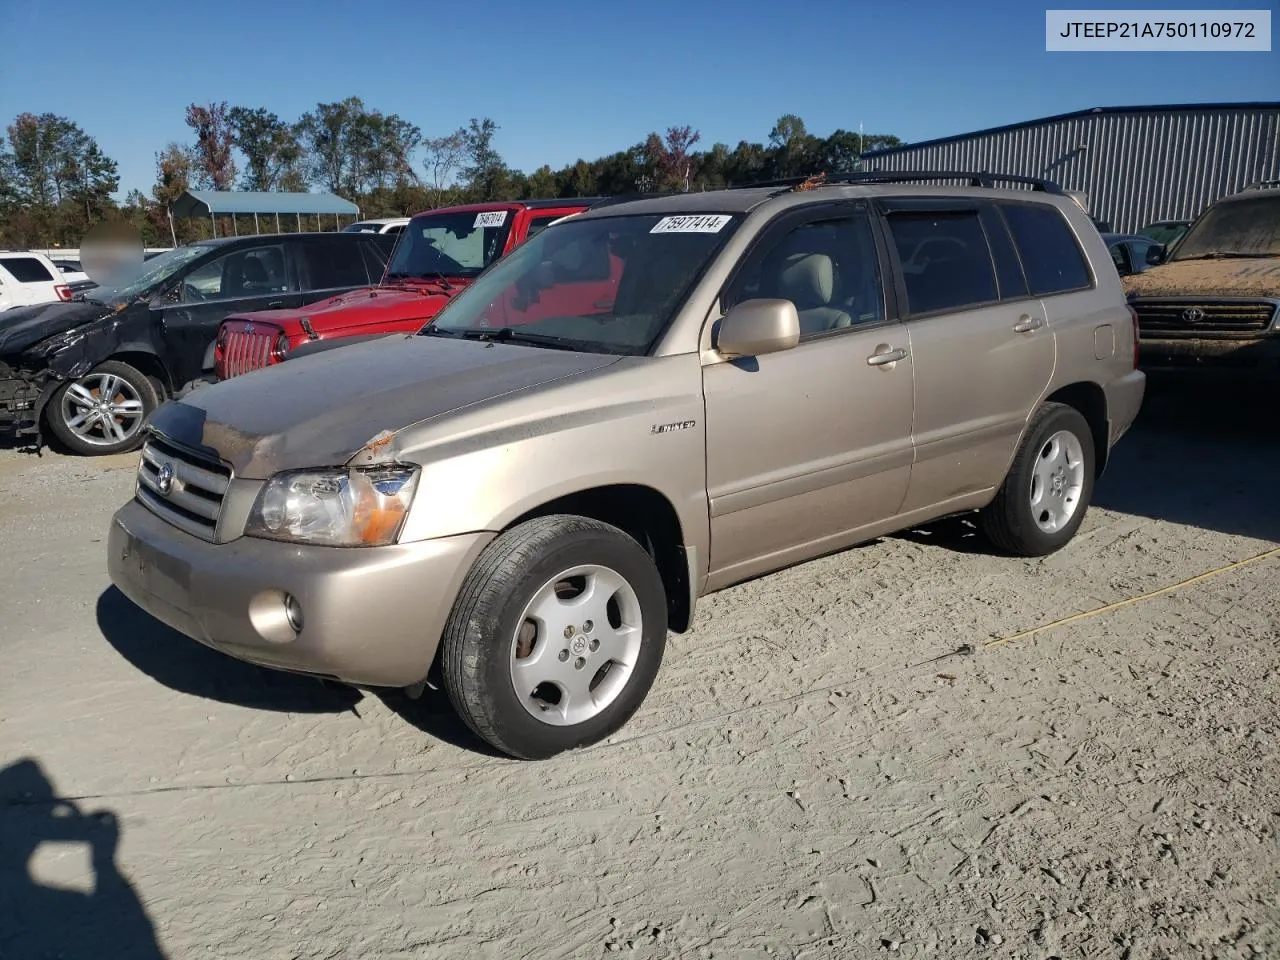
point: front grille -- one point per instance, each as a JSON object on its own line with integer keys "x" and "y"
{"x": 244, "y": 352}
{"x": 1182, "y": 318}
{"x": 181, "y": 488}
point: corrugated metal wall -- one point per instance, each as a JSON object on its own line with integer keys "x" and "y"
{"x": 1136, "y": 167}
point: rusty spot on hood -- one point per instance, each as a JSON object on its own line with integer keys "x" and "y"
{"x": 1224, "y": 278}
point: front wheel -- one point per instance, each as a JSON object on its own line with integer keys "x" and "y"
{"x": 104, "y": 411}
{"x": 1048, "y": 488}
{"x": 556, "y": 637}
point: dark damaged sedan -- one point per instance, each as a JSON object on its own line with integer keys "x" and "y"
{"x": 94, "y": 369}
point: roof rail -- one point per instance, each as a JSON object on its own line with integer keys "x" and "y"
{"x": 982, "y": 179}
{"x": 1263, "y": 184}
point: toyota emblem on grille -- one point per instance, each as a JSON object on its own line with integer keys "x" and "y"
{"x": 1193, "y": 315}
{"x": 248, "y": 328}
{"x": 164, "y": 479}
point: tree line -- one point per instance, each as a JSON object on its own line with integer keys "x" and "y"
{"x": 55, "y": 181}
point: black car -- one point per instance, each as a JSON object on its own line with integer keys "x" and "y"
{"x": 1133, "y": 253}
{"x": 92, "y": 370}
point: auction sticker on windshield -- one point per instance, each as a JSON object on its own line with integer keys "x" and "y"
{"x": 704, "y": 223}
{"x": 491, "y": 218}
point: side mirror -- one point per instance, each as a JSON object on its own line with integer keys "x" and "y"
{"x": 756, "y": 327}
{"x": 1156, "y": 256}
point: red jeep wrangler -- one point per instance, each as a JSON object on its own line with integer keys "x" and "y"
{"x": 440, "y": 252}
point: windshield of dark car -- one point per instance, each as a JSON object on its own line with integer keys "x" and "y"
{"x": 609, "y": 285}
{"x": 450, "y": 244}
{"x": 1235, "y": 227}
{"x": 135, "y": 281}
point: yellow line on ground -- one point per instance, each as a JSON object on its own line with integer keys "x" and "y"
{"x": 1275, "y": 551}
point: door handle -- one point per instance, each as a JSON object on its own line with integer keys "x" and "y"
{"x": 885, "y": 356}
{"x": 1026, "y": 323}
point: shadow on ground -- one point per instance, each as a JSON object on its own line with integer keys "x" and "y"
{"x": 1203, "y": 455}
{"x": 1206, "y": 456}
{"x": 182, "y": 664}
{"x": 49, "y": 907}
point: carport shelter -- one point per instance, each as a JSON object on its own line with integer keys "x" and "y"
{"x": 237, "y": 203}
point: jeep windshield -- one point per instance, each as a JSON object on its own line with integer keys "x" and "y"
{"x": 457, "y": 245}
{"x": 1234, "y": 228}
{"x": 604, "y": 285}
{"x": 131, "y": 283}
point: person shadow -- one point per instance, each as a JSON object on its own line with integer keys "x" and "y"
{"x": 40, "y": 918}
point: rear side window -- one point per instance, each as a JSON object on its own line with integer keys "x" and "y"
{"x": 27, "y": 270}
{"x": 1051, "y": 258}
{"x": 945, "y": 260}
{"x": 332, "y": 263}
{"x": 540, "y": 223}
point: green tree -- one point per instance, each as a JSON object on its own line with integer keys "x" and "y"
{"x": 269, "y": 145}
{"x": 94, "y": 177}
{"x": 215, "y": 163}
{"x": 173, "y": 179}
{"x": 486, "y": 173}
{"x": 331, "y": 136}
{"x": 541, "y": 184}
{"x": 443, "y": 157}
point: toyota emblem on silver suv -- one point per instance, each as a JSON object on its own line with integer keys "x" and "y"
{"x": 164, "y": 479}
{"x": 1193, "y": 315}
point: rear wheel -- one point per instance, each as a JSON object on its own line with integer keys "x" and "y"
{"x": 104, "y": 411}
{"x": 556, "y": 636}
{"x": 1048, "y": 488}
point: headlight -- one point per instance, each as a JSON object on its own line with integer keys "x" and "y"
{"x": 361, "y": 507}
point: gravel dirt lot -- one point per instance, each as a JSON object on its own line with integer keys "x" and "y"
{"x": 806, "y": 779}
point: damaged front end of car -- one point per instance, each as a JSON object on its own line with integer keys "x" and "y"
{"x": 40, "y": 353}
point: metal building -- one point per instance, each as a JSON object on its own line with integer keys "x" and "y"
{"x": 1135, "y": 164}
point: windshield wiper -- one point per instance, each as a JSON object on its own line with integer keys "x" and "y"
{"x": 512, "y": 335}
{"x": 434, "y": 279}
{"x": 1229, "y": 255}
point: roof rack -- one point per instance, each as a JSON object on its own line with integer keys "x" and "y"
{"x": 982, "y": 179}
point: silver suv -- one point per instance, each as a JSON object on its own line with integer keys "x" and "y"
{"x": 641, "y": 405}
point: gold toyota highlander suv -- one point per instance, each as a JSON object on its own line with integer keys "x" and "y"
{"x": 641, "y": 405}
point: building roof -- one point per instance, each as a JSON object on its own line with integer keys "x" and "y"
{"x": 203, "y": 203}
{"x": 1074, "y": 115}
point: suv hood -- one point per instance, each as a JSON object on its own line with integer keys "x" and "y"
{"x": 323, "y": 409}
{"x": 359, "y": 308}
{"x": 23, "y": 327}
{"x": 1216, "y": 278}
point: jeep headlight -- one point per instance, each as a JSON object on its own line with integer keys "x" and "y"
{"x": 360, "y": 507}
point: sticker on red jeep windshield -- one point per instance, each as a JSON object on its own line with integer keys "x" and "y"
{"x": 491, "y": 218}
{"x": 706, "y": 223}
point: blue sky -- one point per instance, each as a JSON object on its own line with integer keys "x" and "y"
{"x": 565, "y": 79}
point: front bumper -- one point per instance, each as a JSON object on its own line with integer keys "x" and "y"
{"x": 1259, "y": 357}
{"x": 371, "y": 616}
{"x": 20, "y": 404}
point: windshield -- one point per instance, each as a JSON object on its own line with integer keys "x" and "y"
{"x": 134, "y": 281}
{"x": 457, "y": 245}
{"x": 608, "y": 285}
{"x": 1242, "y": 228}
{"x": 1164, "y": 233}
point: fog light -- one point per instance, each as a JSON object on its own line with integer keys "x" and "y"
{"x": 293, "y": 610}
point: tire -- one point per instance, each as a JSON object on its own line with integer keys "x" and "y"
{"x": 1055, "y": 463}
{"x": 99, "y": 435}
{"x": 489, "y": 633}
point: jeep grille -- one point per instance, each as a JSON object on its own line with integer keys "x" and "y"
{"x": 245, "y": 352}
{"x": 182, "y": 489}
